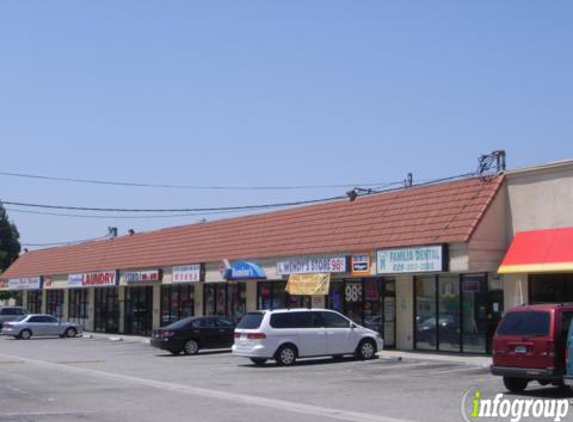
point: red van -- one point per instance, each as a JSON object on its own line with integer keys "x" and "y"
{"x": 529, "y": 345}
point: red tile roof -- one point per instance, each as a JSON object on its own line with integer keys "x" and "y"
{"x": 434, "y": 214}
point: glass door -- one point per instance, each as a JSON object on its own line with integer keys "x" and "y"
{"x": 139, "y": 310}
{"x": 448, "y": 323}
{"x": 106, "y": 312}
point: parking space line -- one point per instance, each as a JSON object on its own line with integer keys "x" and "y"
{"x": 277, "y": 404}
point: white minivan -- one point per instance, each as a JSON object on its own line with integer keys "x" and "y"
{"x": 288, "y": 334}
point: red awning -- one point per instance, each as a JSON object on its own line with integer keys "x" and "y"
{"x": 539, "y": 251}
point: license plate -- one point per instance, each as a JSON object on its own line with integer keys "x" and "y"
{"x": 521, "y": 349}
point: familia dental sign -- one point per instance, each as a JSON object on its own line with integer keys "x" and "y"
{"x": 99, "y": 278}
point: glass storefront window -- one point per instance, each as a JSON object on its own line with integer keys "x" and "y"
{"x": 34, "y": 298}
{"x": 335, "y": 299}
{"x": 474, "y": 313}
{"x": 55, "y": 302}
{"x": 226, "y": 299}
{"x": 373, "y": 317}
{"x": 78, "y": 305}
{"x": 106, "y": 310}
{"x": 353, "y": 301}
{"x": 272, "y": 295}
{"x": 452, "y": 313}
{"x": 426, "y": 333}
{"x": 177, "y": 302}
{"x": 139, "y": 310}
{"x": 237, "y": 301}
{"x": 449, "y": 313}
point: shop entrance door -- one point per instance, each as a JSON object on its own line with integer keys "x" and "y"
{"x": 139, "y": 310}
{"x": 106, "y": 315}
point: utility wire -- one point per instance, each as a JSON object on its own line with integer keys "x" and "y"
{"x": 56, "y": 214}
{"x": 172, "y": 210}
{"x": 73, "y": 242}
{"x": 222, "y": 209}
{"x": 171, "y": 186}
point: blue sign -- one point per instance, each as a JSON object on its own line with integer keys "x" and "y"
{"x": 244, "y": 270}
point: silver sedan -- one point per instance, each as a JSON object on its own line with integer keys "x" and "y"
{"x": 40, "y": 325}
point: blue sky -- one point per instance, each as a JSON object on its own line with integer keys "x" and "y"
{"x": 259, "y": 93}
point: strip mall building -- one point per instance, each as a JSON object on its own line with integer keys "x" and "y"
{"x": 430, "y": 267}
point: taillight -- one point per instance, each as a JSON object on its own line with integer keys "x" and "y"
{"x": 6, "y": 324}
{"x": 237, "y": 335}
{"x": 166, "y": 334}
{"x": 256, "y": 336}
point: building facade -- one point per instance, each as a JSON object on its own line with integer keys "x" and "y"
{"x": 419, "y": 265}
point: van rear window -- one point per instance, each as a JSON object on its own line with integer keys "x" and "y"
{"x": 251, "y": 321}
{"x": 524, "y": 324}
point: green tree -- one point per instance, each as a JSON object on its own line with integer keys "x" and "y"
{"x": 9, "y": 246}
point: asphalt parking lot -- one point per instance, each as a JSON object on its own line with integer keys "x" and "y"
{"x": 81, "y": 379}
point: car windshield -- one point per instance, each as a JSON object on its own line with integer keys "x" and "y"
{"x": 524, "y": 324}
{"x": 251, "y": 321}
{"x": 182, "y": 323}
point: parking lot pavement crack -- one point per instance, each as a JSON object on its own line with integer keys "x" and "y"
{"x": 277, "y": 404}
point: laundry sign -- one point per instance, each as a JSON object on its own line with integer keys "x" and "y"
{"x": 417, "y": 259}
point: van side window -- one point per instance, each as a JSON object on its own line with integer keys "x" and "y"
{"x": 333, "y": 320}
{"x": 308, "y": 319}
{"x": 283, "y": 320}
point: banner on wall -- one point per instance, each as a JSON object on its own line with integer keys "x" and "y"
{"x": 192, "y": 273}
{"x": 317, "y": 284}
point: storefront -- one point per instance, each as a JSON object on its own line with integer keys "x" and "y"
{"x": 103, "y": 286}
{"x": 34, "y": 301}
{"x": 55, "y": 302}
{"x": 368, "y": 302}
{"x": 29, "y": 292}
{"x": 106, "y": 309}
{"x": 178, "y": 298}
{"x": 78, "y": 301}
{"x": 138, "y": 305}
{"x": 544, "y": 259}
{"x": 229, "y": 299}
{"x": 273, "y": 295}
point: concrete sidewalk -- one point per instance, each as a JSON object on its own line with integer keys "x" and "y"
{"x": 473, "y": 360}
{"x": 115, "y": 337}
{"x": 460, "y": 359}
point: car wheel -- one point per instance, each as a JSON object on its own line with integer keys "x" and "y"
{"x": 515, "y": 385}
{"x": 71, "y": 332}
{"x": 258, "y": 361}
{"x": 286, "y": 355}
{"x": 366, "y": 350}
{"x": 25, "y": 334}
{"x": 191, "y": 347}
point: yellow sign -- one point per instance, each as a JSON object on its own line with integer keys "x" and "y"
{"x": 308, "y": 284}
